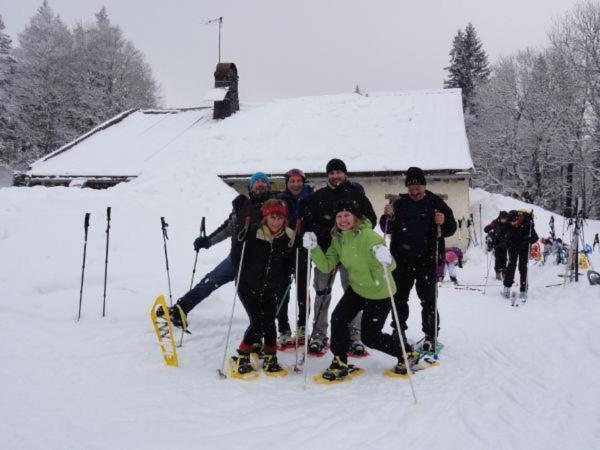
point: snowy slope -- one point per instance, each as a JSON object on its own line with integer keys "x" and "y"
{"x": 510, "y": 377}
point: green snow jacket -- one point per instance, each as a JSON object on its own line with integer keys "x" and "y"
{"x": 354, "y": 250}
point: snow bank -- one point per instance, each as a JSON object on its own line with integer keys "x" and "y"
{"x": 509, "y": 377}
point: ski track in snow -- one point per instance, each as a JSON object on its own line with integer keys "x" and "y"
{"x": 521, "y": 377}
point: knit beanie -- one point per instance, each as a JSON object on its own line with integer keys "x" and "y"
{"x": 294, "y": 172}
{"x": 336, "y": 164}
{"x": 258, "y": 176}
{"x": 346, "y": 205}
{"x": 414, "y": 176}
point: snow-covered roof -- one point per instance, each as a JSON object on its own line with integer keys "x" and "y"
{"x": 381, "y": 132}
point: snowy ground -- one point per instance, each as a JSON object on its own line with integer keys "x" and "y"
{"x": 509, "y": 378}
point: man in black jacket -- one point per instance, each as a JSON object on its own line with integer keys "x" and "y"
{"x": 497, "y": 231}
{"x": 320, "y": 218}
{"x": 235, "y": 225}
{"x": 521, "y": 234}
{"x": 413, "y": 221}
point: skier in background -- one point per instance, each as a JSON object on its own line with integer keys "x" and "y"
{"x": 521, "y": 235}
{"x": 497, "y": 233}
{"x": 453, "y": 258}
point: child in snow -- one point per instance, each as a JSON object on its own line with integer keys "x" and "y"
{"x": 362, "y": 252}
{"x": 264, "y": 278}
{"x": 452, "y": 259}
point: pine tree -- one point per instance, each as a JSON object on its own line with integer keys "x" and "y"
{"x": 469, "y": 67}
{"x": 44, "y": 81}
{"x": 6, "y": 76}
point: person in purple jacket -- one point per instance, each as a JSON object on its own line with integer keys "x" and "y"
{"x": 452, "y": 259}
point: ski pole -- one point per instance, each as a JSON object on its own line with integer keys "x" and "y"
{"x": 297, "y": 308}
{"x": 106, "y": 260}
{"x": 398, "y": 329}
{"x": 480, "y": 227}
{"x": 202, "y": 234}
{"x": 164, "y": 226}
{"x": 283, "y": 297}
{"x": 221, "y": 371}
{"x": 86, "y": 225}
{"x": 487, "y": 273}
{"x": 307, "y": 303}
{"x": 438, "y": 236}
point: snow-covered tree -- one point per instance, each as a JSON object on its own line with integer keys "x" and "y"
{"x": 7, "y": 123}
{"x": 577, "y": 39}
{"x": 469, "y": 67}
{"x": 44, "y": 80}
{"x": 118, "y": 75}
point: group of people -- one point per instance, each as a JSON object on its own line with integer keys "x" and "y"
{"x": 274, "y": 234}
{"x": 510, "y": 236}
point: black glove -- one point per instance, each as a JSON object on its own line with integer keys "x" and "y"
{"x": 201, "y": 242}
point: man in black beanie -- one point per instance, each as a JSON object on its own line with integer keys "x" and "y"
{"x": 413, "y": 221}
{"x": 320, "y": 218}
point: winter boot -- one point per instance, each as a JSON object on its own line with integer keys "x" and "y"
{"x": 523, "y": 296}
{"x": 428, "y": 344}
{"x": 412, "y": 358}
{"x": 317, "y": 345}
{"x": 338, "y": 370}
{"x": 499, "y": 275}
{"x": 177, "y": 315}
{"x": 454, "y": 280}
{"x": 285, "y": 339}
{"x": 242, "y": 363}
{"x": 270, "y": 363}
{"x": 357, "y": 348}
{"x": 506, "y": 292}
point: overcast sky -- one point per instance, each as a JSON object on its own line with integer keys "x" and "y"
{"x": 305, "y": 47}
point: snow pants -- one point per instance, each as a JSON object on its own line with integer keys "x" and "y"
{"x": 223, "y": 273}
{"x": 374, "y": 315}
{"x": 500, "y": 258}
{"x": 518, "y": 254}
{"x": 421, "y": 273}
{"x": 323, "y": 283}
{"x": 283, "y": 322}
{"x": 261, "y": 312}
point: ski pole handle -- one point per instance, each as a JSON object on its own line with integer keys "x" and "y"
{"x": 86, "y": 221}
{"x": 203, "y": 227}
{"x": 108, "y": 213}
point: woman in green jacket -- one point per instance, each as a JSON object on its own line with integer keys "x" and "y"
{"x": 364, "y": 255}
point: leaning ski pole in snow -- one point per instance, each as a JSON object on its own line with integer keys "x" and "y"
{"x": 86, "y": 225}
{"x": 202, "y": 234}
{"x": 480, "y": 226}
{"x": 438, "y": 236}
{"x": 221, "y": 371}
{"x": 487, "y": 272}
{"x": 398, "y": 329}
{"x": 106, "y": 260}
{"x": 164, "y": 226}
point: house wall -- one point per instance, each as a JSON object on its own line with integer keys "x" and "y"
{"x": 455, "y": 193}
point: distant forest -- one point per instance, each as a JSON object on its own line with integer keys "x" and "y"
{"x": 533, "y": 118}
